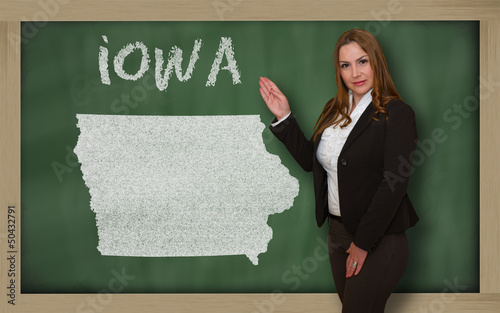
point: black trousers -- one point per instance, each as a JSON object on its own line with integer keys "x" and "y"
{"x": 368, "y": 291}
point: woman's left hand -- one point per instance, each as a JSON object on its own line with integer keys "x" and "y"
{"x": 357, "y": 255}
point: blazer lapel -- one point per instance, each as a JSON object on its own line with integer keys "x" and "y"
{"x": 316, "y": 142}
{"x": 364, "y": 120}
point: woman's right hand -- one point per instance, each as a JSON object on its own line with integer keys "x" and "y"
{"x": 274, "y": 98}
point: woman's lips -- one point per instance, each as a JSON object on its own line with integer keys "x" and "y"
{"x": 359, "y": 83}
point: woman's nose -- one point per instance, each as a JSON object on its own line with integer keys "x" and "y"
{"x": 355, "y": 71}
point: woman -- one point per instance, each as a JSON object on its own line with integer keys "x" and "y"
{"x": 360, "y": 156}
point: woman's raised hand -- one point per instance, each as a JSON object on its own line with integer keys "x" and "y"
{"x": 274, "y": 98}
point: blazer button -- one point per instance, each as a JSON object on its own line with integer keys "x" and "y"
{"x": 343, "y": 162}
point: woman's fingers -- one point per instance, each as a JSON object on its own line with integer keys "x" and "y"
{"x": 349, "y": 267}
{"x": 353, "y": 270}
{"x": 357, "y": 257}
{"x": 274, "y": 98}
{"x": 266, "y": 82}
{"x": 272, "y": 88}
{"x": 265, "y": 91}
{"x": 263, "y": 94}
{"x": 359, "y": 267}
{"x": 263, "y": 85}
{"x": 279, "y": 95}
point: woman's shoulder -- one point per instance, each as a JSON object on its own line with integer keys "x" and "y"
{"x": 398, "y": 106}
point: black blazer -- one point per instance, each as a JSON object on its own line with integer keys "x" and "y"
{"x": 373, "y": 172}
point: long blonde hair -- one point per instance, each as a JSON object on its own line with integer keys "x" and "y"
{"x": 336, "y": 110}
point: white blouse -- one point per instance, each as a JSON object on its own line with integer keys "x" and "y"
{"x": 332, "y": 141}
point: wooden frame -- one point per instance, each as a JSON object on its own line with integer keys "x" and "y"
{"x": 486, "y": 11}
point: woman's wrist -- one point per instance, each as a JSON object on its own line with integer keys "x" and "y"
{"x": 279, "y": 120}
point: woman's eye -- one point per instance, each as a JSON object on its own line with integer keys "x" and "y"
{"x": 363, "y": 61}
{"x": 344, "y": 65}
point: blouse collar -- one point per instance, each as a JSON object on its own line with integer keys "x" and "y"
{"x": 364, "y": 102}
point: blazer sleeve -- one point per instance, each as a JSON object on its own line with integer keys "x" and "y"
{"x": 400, "y": 143}
{"x": 302, "y": 149}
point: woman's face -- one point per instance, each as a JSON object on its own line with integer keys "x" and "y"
{"x": 355, "y": 69}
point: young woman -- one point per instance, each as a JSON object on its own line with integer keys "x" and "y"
{"x": 360, "y": 155}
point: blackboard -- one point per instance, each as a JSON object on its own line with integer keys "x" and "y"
{"x": 435, "y": 67}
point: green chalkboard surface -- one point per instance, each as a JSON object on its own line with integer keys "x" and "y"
{"x": 435, "y": 67}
